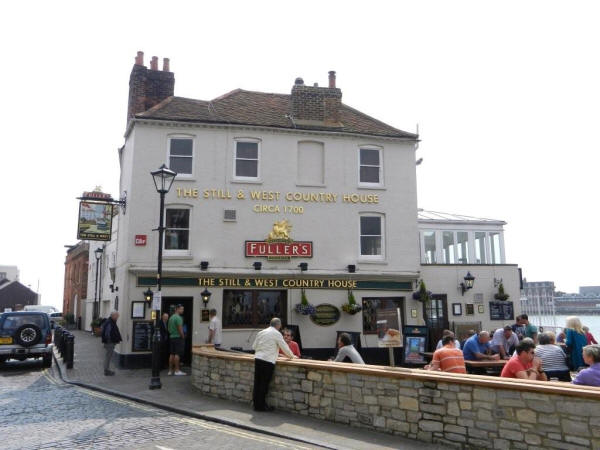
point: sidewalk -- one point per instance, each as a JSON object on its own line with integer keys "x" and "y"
{"x": 179, "y": 395}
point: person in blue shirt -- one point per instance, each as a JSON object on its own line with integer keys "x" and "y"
{"x": 477, "y": 347}
{"x": 575, "y": 340}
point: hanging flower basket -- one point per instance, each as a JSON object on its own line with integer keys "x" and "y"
{"x": 304, "y": 307}
{"x": 351, "y": 307}
{"x": 422, "y": 294}
{"x": 501, "y": 295}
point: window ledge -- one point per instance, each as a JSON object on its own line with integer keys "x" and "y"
{"x": 188, "y": 257}
{"x": 180, "y": 178}
{"x": 311, "y": 185}
{"x": 372, "y": 261}
{"x": 246, "y": 181}
{"x": 372, "y": 188}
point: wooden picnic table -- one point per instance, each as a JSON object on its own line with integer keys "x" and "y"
{"x": 487, "y": 363}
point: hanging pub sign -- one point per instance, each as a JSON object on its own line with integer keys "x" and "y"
{"x": 279, "y": 245}
{"x": 95, "y": 221}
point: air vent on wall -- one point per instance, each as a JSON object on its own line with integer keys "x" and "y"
{"x": 229, "y": 215}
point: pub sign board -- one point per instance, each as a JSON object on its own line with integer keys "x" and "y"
{"x": 95, "y": 221}
{"x": 279, "y": 250}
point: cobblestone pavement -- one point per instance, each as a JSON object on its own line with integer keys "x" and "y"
{"x": 38, "y": 411}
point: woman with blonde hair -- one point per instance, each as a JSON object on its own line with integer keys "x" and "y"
{"x": 575, "y": 340}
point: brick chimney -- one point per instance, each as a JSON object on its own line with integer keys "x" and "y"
{"x": 148, "y": 87}
{"x": 313, "y": 105}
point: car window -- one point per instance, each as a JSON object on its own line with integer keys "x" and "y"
{"x": 11, "y": 323}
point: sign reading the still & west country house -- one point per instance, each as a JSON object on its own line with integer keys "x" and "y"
{"x": 95, "y": 221}
{"x": 279, "y": 244}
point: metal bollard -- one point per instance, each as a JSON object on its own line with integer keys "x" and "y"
{"x": 58, "y": 339}
{"x": 69, "y": 350}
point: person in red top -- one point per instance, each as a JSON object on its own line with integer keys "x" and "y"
{"x": 524, "y": 364}
{"x": 589, "y": 336}
{"x": 448, "y": 358}
{"x": 287, "y": 337}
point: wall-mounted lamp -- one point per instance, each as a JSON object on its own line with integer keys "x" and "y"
{"x": 113, "y": 288}
{"x": 203, "y": 265}
{"x": 148, "y": 295}
{"x": 497, "y": 281}
{"x": 205, "y": 295}
{"x": 257, "y": 265}
{"x": 303, "y": 266}
{"x": 468, "y": 283}
{"x": 351, "y": 268}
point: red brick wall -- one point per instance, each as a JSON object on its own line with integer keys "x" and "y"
{"x": 76, "y": 272}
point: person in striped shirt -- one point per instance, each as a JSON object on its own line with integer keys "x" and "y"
{"x": 554, "y": 360}
{"x": 448, "y": 358}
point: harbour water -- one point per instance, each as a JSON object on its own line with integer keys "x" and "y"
{"x": 548, "y": 322}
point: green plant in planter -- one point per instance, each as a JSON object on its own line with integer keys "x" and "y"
{"x": 501, "y": 295}
{"x": 351, "y": 307}
{"x": 422, "y": 294}
{"x": 304, "y": 307}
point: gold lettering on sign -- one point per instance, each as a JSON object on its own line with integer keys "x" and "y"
{"x": 265, "y": 195}
{"x": 217, "y": 194}
{"x": 187, "y": 193}
{"x": 360, "y": 198}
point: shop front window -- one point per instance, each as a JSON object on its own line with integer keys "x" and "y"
{"x": 253, "y": 308}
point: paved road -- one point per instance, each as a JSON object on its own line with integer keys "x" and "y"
{"x": 37, "y": 411}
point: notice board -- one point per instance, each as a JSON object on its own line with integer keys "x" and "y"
{"x": 142, "y": 336}
{"x": 502, "y": 310}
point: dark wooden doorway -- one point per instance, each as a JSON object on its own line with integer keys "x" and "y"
{"x": 435, "y": 313}
{"x": 168, "y": 306}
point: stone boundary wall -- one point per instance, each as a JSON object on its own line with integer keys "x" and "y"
{"x": 455, "y": 410}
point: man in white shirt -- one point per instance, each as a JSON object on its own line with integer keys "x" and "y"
{"x": 347, "y": 350}
{"x": 504, "y": 339}
{"x": 215, "y": 330}
{"x": 266, "y": 349}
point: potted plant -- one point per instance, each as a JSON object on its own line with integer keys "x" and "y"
{"x": 351, "y": 307}
{"x": 501, "y": 295}
{"x": 304, "y": 307}
{"x": 95, "y": 324}
{"x": 422, "y": 294}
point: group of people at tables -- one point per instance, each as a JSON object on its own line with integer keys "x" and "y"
{"x": 528, "y": 354}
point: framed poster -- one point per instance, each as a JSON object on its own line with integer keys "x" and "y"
{"x": 204, "y": 315}
{"x": 457, "y": 309}
{"x": 413, "y": 313}
{"x": 142, "y": 336}
{"x": 415, "y": 343}
{"x": 480, "y": 309}
{"x": 469, "y": 309}
{"x": 138, "y": 310}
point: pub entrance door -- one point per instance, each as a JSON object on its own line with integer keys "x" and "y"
{"x": 168, "y": 306}
{"x": 436, "y": 318}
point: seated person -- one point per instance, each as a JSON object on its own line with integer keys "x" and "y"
{"x": 477, "y": 348}
{"x": 448, "y": 358}
{"x": 347, "y": 350}
{"x": 560, "y": 339}
{"x": 503, "y": 340}
{"x": 293, "y": 345}
{"x": 591, "y": 375}
{"x": 590, "y": 337}
{"x": 524, "y": 364}
{"x": 554, "y": 360}
{"x": 469, "y": 334}
{"x": 444, "y": 334}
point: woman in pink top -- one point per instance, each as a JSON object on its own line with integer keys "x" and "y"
{"x": 589, "y": 336}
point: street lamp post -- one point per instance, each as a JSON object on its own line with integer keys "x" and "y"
{"x": 163, "y": 180}
{"x": 98, "y": 254}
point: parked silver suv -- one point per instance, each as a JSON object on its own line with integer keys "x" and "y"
{"x": 25, "y": 334}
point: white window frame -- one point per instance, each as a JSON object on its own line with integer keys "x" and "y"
{"x": 367, "y": 258}
{"x": 176, "y": 252}
{"x": 362, "y": 184}
{"x": 234, "y": 159}
{"x": 193, "y": 157}
{"x": 423, "y": 253}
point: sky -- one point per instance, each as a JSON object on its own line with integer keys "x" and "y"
{"x": 506, "y": 97}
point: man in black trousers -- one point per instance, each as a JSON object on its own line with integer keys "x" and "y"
{"x": 266, "y": 349}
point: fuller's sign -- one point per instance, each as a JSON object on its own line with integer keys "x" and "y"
{"x": 279, "y": 249}
{"x": 279, "y": 244}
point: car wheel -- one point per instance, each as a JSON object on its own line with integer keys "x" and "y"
{"x": 28, "y": 335}
{"x": 48, "y": 360}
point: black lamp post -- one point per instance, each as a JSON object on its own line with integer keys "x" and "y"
{"x": 98, "y": 254}
{"x": 163, "y": 180}
{"x": 205, "y": 294}
{"x": 468, "y": 283}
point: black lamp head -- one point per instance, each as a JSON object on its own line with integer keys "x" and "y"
{"x": 303, "y": 266}
{"x": 257, "y": 265}
{"x": 203, "y": 265}
{"x": 148, "y": 295}
{"x": 205, "y": 294}
{"x": 351, "y": 268}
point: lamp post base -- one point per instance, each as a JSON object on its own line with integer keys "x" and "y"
{"x": 155, "y": 383}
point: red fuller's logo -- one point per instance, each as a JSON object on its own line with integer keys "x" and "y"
{"x": 279, "y": 245}
{"x": 140, "y": 239}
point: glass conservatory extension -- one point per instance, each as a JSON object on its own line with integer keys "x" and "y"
{"x": 453, "y": 239}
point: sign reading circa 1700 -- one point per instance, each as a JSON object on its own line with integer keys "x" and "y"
{"x": 279, "y": 244}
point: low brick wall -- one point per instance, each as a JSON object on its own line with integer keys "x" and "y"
{"x": 456, "y": 410}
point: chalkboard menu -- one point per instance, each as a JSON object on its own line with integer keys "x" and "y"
{"x": 325, "y": 315}
{"x": 501, "y": 310}
{"x": 142, "y": 336}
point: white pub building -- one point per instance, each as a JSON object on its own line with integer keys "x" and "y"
{"x": 280, "y": 197}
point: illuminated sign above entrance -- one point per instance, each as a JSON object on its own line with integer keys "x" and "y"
{"x": 279, "y": 244}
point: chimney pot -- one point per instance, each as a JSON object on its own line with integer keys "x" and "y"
{"x": 299, "y": 81}
{"x": 154, "y": 63}
{"x": 166, "y": 67}
{"x": 139, "y": 59}
{"x": 332, "y": 78}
